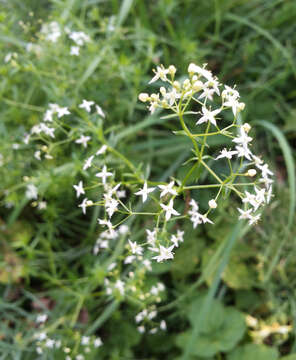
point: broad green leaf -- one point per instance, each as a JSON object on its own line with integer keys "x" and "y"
{"x": 253, "y": 352}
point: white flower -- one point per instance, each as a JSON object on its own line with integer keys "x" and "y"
{"x": 49, "y": 343}
{"x": 169, "y": 210}
{"x": 31, "y": 192}
{"x": 135, "y": 248}
{"x": 175, "y": 239}
{"x": 83, "y": 140}
{"x": 234, "y": 104}
{"x": 141, "y": 329}
{"x": 102, "y": 150}
{"x": 37, "y": 155}
{"x": 41, "y": 318}
{"x": 85, "y": 340}
{"x": 88, "y": 162}
{"x": 98, "y": 342}
{"x": 160, "y": 72}
{"x": 110, "y": 205}
{"x": 86, "y": 105}
{"x": 48, "y": 115}
{"x": 100, "y": 112}
{"x": 243, "y": 139}
{"x": 104, "y": 174}
{"x": 120, "y": 286}
{"x": 168, "y": 189}
{"x": 62, "y": 111}
{"x": 74, "y": 50}
{"x": 208, "y": 116}
{"x": 265, "y": 170}
{"x": 151, "y": 236}
{"x": 79, "y": 189}
{"x": 207, "y": 93}
{"x": 162, "y": 325}
{"x": 245, "y": 214}
{"x": 212, "y": 204}
{"x": 144, "y": 192}
{"x": 192, "y": 68}
{"x": 47, "y": 130}
{"x": 164, "y": 253}
{"x": 226, "y": 154}
{"x": 129, "y": 259}
{"x": 84, "y": 204}
{"x": 254, "y": 219}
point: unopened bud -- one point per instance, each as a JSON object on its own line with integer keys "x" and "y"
{"x": 212, "y": 204}
{"x": 143, "y": 97}
{"x": 247, "y": 127}
{"x": 176, "y": 85}
{"x": 251, "y": 172}
{"x": 241, "y": 106}
{"x": 192, "y": 68}
{"x": 197, "y": 85}
{"x": 172, "y": 70}
{"x": 162, "y": 91}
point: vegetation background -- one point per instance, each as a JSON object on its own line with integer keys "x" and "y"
{"x": 46, "y": 260}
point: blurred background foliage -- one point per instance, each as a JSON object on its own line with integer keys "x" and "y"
{"x": 46, "y": 260}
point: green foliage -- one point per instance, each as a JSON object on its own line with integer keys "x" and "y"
{"x": 221, "y": 331}
{"x": 253, "y": 351}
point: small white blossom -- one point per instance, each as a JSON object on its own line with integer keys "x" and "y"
{"x": 208, "y": 116}
{"x": 74, "y": 50}
{"x": 164, "y": 253}
{"x": 100, "y": 112}
{"x": 79, "y": 189}
{"x": 31, "y": 192}
{"x": 83, "y": 140}
{"x": 86, "y": 105}
{"x": 169, "y": 210}
{"x": 104, "y": 174}
{"x": 102, "y": 150}
{"x": 144, "y": 192}
{"x": 167, "y": 189}
{"x": 88, "y": 162}
{"x": 226, "y": 154}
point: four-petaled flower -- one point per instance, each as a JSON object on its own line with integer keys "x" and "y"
{"x": 79, "y": 189}
{"x": 169, "y": 210}
{"x": 167, "y": 189}
{"x": 144, "y": 192}
{"x": 86, "y": 105}
{"x": 208, "y": 116}
{"x": 83, "y": 140}
{"x": 104, "y": 174}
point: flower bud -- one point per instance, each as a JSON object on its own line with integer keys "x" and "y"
{"x": 212, "y": 204}
{"x": 241, "y": 106}
{"x": 197, "y": 85}
{"x": 247, "y": 127}
{"x": 192, "y": 68}
{"x": 172, "y": 70}
{"x": 251, "y": 172}
{"x": 143, "y": 97}
{"x": 162, "y": 90}
{"x": 176, "y": 85}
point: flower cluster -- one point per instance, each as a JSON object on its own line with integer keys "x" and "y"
{"x": 52, "y": 32}
{"x": 204, "y": 90}
{"x": 48, "y": 344}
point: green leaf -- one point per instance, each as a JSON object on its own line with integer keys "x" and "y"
{"x": 222, "y": 329}
{"x": 252, "y": 352}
